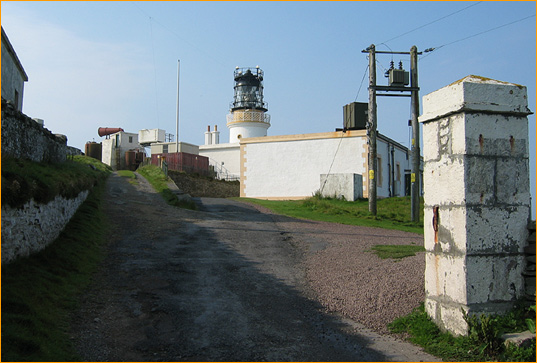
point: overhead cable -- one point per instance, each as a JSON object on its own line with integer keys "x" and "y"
{"x": 430, "y": 50}
{"x": 432, "y": 22}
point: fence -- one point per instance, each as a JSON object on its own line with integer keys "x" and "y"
{"x": 188, "y": 163}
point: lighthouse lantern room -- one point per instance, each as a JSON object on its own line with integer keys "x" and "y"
{"x": 247, "y": 116}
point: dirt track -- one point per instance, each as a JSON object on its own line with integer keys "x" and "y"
{"x": 227, "y": 283}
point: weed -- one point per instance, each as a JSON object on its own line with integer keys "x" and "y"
{"x": 396, "y": 251}
{"x": 481, "y": 344}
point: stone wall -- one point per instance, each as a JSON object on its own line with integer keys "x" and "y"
{"x": 24, "y": 138}
{"x": 31, "y": 228}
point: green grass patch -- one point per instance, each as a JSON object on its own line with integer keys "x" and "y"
{"x": 392, "y": 213}
{"x": 40, "y": 292}
{"x": 126, "y": 174}
{"x": 23, "y": 180}
{"x": 129, "y": 175}
{"x": 159, "y": 181}
{"x": 482, "y": 343}
{"x": 396, "y": 251}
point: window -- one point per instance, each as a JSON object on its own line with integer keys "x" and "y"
{"x": 164, "y": 149}
{"x": 130, "y": 139}
{"x": 398, "y": 172}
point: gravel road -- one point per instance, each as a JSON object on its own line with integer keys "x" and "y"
{"x": 234, "y": 282}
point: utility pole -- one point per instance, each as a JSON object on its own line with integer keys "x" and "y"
{"x": 372, "y": 132}
{"x": 177, "y": 110}
{"x": 397, "y": 86}
{"x": 415, "y": 151}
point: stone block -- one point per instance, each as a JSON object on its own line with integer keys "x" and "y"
{"x": 444, "y": 181}
{"x": 448, "y": 317}
{"x": 512, "y": 181}
{"x": 348, "y": 186}
{"x": 494, "y": 278}
{"x": 496, "y": 230}
{"x": 523, "y": 339}
{"x": 451, "y": 234}
{"x": 475, "y": 94}
{"x": 445, "y": 275}
{"x": 480, "y": 176}
{"x": 431, "y": 149}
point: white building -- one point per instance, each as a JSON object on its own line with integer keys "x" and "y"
{"x": 292, "y": 166}
{"x": 116, "y": 145}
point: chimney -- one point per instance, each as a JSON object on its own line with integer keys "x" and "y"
{"x": 208, "y": 136}
{"x": 216, "y": 135}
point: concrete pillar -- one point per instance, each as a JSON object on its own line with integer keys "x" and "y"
{"x": 477, "y": 198}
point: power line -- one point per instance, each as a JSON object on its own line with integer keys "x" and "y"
{"x": 430, "y": 50}
{"x": 361, "y": 83}
{"x": 432, "y": 22}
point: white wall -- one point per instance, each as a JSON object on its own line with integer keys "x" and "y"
{"x": 290, "y": 166}
{"x": 224, "y": 157}
{"x": 125, "y": 141}
{"x": 384, "y": 146}
{"x": 282, "y": 167}
{"x": 184, "y": 147}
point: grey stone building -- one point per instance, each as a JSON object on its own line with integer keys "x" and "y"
{"x": 13, "y": 74}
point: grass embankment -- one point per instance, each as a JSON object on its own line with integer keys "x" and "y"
{"x": 392, "y": 213}
{"x": 483, "y": 342}
{"x": 23, "y": 180}
{"x": 156, "y": 177}
{"x": 40, "y": 292}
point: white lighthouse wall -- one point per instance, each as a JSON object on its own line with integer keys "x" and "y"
{"x": 243, "y": 130}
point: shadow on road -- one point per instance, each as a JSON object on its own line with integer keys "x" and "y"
{"x": 219, "y": 284}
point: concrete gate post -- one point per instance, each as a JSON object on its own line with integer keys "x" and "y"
{"x": 477, "y": 198}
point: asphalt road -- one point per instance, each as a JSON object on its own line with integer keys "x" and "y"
{"x": 224, "y": 283}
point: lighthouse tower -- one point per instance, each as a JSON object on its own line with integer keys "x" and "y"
{"x": 247, "y": 117}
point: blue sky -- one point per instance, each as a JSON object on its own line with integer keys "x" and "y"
{"x": 114, "y": 64}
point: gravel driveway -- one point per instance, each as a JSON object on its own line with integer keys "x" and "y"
{"x": 234, "y": 282}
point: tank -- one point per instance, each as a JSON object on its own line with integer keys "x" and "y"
{"x": 94, "y": 150}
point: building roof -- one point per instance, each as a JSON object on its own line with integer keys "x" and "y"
{"x": 11, "y": 50}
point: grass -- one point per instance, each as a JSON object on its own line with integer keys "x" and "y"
{"x": 23, "y": 180}
{"x": 40, "y": 292}
{"x": 129, "y": 175}
{"x": 159, "y": 181}
{"x": 392, "y": 213}
{"x": 481, "y": 344}
{"x": 396, "y": 251}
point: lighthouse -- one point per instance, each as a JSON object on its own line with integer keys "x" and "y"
{"x": 247, "y": 117}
